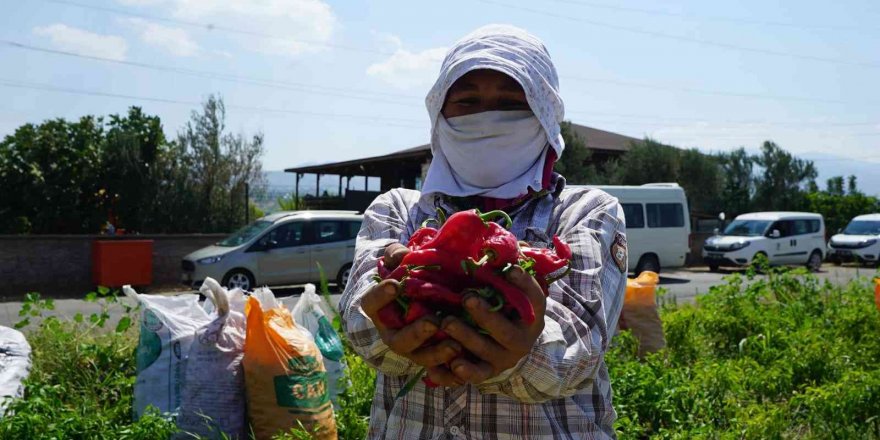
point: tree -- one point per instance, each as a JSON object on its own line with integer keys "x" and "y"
{"x": 834, "y": 186}
{"x": 783, "y": 179}
{"x": 71, "y": 177}
{"x": 701, "y": 177}
{"x": 575, "y": 162}
{"x": 648, "y": 161}
{"x": 738, "y": 187}
{"x": 852, "y": 185}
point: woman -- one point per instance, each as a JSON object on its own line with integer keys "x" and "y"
{"x": 495, "y": 112}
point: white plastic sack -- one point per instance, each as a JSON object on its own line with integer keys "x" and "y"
{"x": 15, "y": 364}
{"x": 213, "y": 405}
{"x": 309, "y": 313}
{"x": 237, "y": 298}
{"x": 168, "y": 325}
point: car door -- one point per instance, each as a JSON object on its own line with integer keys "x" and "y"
{"x": 333, "y": 246}
{"x": 285, "y": 256}
{"x": 782, "y": 250}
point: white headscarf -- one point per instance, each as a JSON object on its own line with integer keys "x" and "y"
{"x": 523, "y": 57}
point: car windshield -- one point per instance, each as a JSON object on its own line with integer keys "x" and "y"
{"x": 862, "y": 227}
{"x": 244, "y": 234}
{"x": 747, "y": 228}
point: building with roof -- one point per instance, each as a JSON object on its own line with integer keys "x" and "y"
{"x": 407, "y": 168}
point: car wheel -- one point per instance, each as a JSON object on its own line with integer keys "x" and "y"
{"x": 239, "y": 278}
{"x": 343, "y": 277}
{"x": 814, "y": 263}
{"x": 713, "y": 268}
{"x": 648, "y": 263}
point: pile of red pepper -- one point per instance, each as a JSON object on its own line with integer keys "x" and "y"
{"x": 468, "y": 253}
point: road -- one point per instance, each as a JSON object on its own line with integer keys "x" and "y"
{"x": 683, "y": 285}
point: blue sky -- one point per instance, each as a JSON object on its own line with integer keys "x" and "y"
{"x": 333, "y": 80}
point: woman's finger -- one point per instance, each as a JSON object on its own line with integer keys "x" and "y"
{"x": 530, "y": 287}
{"x": 502, "y": 330}
{"x": 480, "y": 345}
{"x": 435, "y": 355}
{"x": 377, "y": 297}
{"x": 443, "y": 377}
{"x": 470, "y": 372}
{"x": 411, "y": 337}
{"x": 394, "y": 254}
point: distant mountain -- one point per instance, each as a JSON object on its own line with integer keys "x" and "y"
{"x": 829, "y": 165}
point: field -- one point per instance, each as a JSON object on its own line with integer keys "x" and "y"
{"x": 783, "y": 356}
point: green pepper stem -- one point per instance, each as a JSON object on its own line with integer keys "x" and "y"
{"x": 492, "y": 215}
{"x": 441, "y": 216}
{"x": 410, "y": 384}
{"x": 429, "y": 220}
{"x": 551, "y": 280}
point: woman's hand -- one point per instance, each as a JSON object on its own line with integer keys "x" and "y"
{"x": 507, "y": 342}
{"x": 407, "y": 341}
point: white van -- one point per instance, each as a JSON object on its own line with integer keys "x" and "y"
{"x": 859, "y": 241}
{"x": 657, "y": 225}
{"x": 783, "y": 237}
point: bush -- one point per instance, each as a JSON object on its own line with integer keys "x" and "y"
{"x": 782, "y": 356}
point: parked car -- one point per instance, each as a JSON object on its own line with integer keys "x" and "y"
{"x": 278, "y": 249}
{"x": 859, "y": 241}
{"x": 782, "y": 237}
{"x": 657, "y": 225}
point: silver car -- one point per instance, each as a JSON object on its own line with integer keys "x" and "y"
{"x": 279, "y": 249}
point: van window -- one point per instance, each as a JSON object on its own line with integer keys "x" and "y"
{"x": 634, "y": 214}
{"x": 328, "y": 231}
{"x": 287, "y": 235}
{"x": 786, "y": 228}
{"x": 665, "y": 215}
{"x": 353, "y": 229}
{"x": 803, "y": 227}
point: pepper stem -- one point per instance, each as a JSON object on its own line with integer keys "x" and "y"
{"x": 469, "y": 264}
{"x": 429, "y": 220}
{"x": 410, "y": 384}
{"x": 441, "y": 216}
{"x": 492, "y": 215}
{"x": 551, "y": 280}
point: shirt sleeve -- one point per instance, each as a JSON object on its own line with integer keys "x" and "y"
{"x": 384, "y": 222}
{"x": 581, "y": 307}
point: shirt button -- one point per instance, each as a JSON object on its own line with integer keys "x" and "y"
{"x": 454, "y": 430}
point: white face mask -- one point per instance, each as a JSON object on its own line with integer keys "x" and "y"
{"x": 495, "y": 149}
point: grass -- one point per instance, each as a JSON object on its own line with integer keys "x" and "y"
{"x": 776, "y": 357}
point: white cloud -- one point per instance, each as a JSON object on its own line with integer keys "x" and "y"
{"x": 289, "y": 27}
{"x": 83, "y": 42}
{"x": 174, "y": 40}
{"x": 405, "y": 69}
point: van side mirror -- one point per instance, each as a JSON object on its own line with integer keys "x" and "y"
{"x": 775, "y": 233}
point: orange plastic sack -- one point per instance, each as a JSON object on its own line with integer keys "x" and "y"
{"x": 877, "y": 292}
{"x": 285, "y": 380}
{"x": 640, "y": 313}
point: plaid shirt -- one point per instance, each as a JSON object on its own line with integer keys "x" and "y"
{"x": 561, "y": 389}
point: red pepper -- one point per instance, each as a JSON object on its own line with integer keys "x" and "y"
{"x": 382, "y": 269}
{"x": 512, "y": 295}
{"x": 392, "y": 316}
{"x": 449, "y": 262}
{"x": 429, "y": 383}
{"x": 500, "y": 246}
{"x": 455, "y": 282}
{"x": 439, "y": 336}
{"x": 421, "y": 237}
{"x": 421, "y": 290}
{"x": 417, "y": 309}
{"x": 548, "y": 261}
{"x": 398, "y": 273}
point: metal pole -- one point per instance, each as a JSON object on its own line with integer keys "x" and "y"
{"x": 318, "y": 187}
{"x": 339, "y": 192}
{"x": 296, "y": 193}
{"x": 247, "y": 201}
{"x": 365, "y": 183}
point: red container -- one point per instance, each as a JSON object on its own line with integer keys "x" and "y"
{"x": 877, "y": 292}
{"x": 119, "y": 262}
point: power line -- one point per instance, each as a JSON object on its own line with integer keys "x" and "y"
{"x": 748, "y": 21}
{"x": 354, "y": 94}
{"x": 299, "y": 87}
{"x": 215, "y": 27}
{"x": 394, "y": 122}
{"x": 719, "y": 44}
{"x": 714, "y": 92}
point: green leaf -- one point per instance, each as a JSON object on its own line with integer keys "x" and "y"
{"x": 49, "y": 304}
{"x": 91, "y": 297}
{"x": 93, "y": 318}
{"x": 103, "y": 291}
{"x": 78, "y": 318}
{"x": 123, "y": 324}
{"x": 22, "y": 323}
